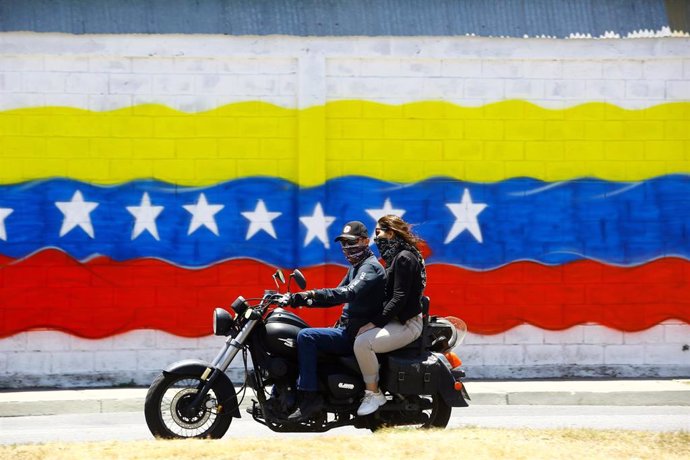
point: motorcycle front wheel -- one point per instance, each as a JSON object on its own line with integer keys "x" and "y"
{"x": 166, "y": 414}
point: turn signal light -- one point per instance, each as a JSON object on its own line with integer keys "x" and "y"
{"x": 458, "y": 386}
{"x": 453, "y": 359}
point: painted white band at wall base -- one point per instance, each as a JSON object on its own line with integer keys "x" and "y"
{"x": 55, "y": 359}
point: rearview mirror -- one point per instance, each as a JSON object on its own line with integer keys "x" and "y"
{"x": 299, "y": 279}
{"x": 278, "y": 275}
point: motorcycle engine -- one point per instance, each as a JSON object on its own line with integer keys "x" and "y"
{"x": 282, "y": 401}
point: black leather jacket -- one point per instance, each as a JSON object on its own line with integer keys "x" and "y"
{"x": 363, "y": 290}
{"x": 403, "y": 290}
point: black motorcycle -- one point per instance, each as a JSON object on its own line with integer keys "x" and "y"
{"x": 196, "y": 399}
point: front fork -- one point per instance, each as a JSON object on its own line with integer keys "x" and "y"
{"x": 220, "y": 364}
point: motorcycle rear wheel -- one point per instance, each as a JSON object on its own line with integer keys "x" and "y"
{"x": 438, "y": 415}
{"x": 165, "y": 415}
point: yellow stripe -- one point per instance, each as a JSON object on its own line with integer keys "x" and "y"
{"x": 403, "y": 143}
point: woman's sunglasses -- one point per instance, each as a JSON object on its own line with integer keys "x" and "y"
{"x": 380, "y": 230}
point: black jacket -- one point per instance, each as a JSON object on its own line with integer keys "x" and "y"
{"x": 363, "y": 290}
{"x": 403, "y": 290}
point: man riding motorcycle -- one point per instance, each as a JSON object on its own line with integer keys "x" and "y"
{"x": 362, "y": 289}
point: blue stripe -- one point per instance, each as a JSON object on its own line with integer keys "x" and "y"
{"x": 524, "y": 219}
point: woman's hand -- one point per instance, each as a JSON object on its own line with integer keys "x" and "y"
{"x": 365, "y": 328}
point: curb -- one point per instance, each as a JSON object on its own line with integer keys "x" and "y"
{"x": 559, "y": 393}
{"x": 584, "y": 393}
{"x": 544, "y": 398}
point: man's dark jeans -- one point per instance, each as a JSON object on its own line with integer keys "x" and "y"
{"x": 310, "y": 342}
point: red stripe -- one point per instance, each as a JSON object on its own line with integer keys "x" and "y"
{"x": 102, "y": 297}
{"x": 559, "y": 297}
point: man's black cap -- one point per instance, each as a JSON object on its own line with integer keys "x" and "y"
{"x": 353, "y": 230}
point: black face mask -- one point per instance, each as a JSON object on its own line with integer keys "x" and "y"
{"x": 389, "y": 248}
{"x": 356, "y": 253}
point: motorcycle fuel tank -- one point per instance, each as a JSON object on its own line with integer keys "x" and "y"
{"x": 282, "y": 328}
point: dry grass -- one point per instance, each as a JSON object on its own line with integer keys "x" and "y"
{"x": 475, "y": 443}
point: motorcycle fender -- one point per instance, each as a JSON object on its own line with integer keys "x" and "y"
{"x": 223, "y": 385}
{"x": 446, "y": 386}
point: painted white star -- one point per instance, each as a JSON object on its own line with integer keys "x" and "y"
{"x": 145, "y": 217}
{"x": 4, "y": 212}
{"x": 317, "y": 226}
{"x": 376, "y": 214}
{"x": 77, "y": 214}
{"x": 260, "y": 219}
{"x": 465, "y": 213}
{"x": 202, "y": 215}
{"x": 387, "y": 209}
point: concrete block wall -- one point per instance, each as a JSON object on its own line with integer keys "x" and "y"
{"x": 477, "y": 116}
{"x": 588, "y": 350}
{"x": 50, "y": 358}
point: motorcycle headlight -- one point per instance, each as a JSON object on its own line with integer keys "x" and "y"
{"x": 222, "y": 322}
{"x": 240, "y": 306}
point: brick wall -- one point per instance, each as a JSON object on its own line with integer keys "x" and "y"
{"x": 205, "y": 109}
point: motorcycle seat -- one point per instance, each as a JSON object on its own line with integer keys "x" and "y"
{"x": 410, "y": 350}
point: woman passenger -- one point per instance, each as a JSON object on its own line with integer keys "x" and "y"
{"x": 400, "y": 321}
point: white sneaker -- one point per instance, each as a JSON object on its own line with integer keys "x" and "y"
{"x": 371, "y": 402}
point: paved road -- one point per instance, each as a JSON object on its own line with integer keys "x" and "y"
{"x": 131, "y": 426}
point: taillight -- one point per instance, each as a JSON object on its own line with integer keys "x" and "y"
{"x": 453, "y": 359}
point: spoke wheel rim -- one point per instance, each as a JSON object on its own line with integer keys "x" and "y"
{"x": 172, "y": 405}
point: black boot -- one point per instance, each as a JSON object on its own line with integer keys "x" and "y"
{"x": 309, "y": 405}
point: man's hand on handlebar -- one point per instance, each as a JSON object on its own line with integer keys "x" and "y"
{"x": 298, "y": 299}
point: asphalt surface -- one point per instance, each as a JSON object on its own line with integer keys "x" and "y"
{"x": 130, "y": 426}
{"x": 507, "y": 393}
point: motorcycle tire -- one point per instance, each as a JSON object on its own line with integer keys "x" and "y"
{"x": 440, "y": 413}
{"x": 438, "y": 416}
{"x": 163, "y": 410}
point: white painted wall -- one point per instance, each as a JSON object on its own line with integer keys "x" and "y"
{"x": 196, "y": 73}
{"x": 50, "y": 358}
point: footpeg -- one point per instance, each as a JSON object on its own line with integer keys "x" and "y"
{"x": 255, "y": 411}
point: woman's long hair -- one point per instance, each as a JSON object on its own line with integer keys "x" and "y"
{"x": 407, "y": 240}
{"x": 400, "y": 228}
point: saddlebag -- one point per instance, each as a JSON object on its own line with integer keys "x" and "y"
{"x": 412, "y": 375}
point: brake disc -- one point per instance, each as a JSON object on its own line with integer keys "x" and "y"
{"x": 186, "y": 422}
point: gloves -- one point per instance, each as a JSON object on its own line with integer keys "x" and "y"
{"x": 297, "y": 299}
{"x": 302, "y": 298}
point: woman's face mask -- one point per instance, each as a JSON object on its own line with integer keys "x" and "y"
{"x": 387, "y": 244}
{"x": 384, "y": 239}
{"x": 383, "y": 243}
{"x": 388, "y": 248}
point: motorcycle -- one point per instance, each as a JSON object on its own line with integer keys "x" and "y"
{"x": 197, "y": 399}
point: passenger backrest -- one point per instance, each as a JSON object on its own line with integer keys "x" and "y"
{"x": 425, "y": 309}
{"x": 425, "y": 321}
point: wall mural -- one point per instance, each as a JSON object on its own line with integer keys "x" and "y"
{"x": 96, "y": 240}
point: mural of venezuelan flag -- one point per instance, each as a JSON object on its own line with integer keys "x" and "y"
{"x": 110, "y": 222}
